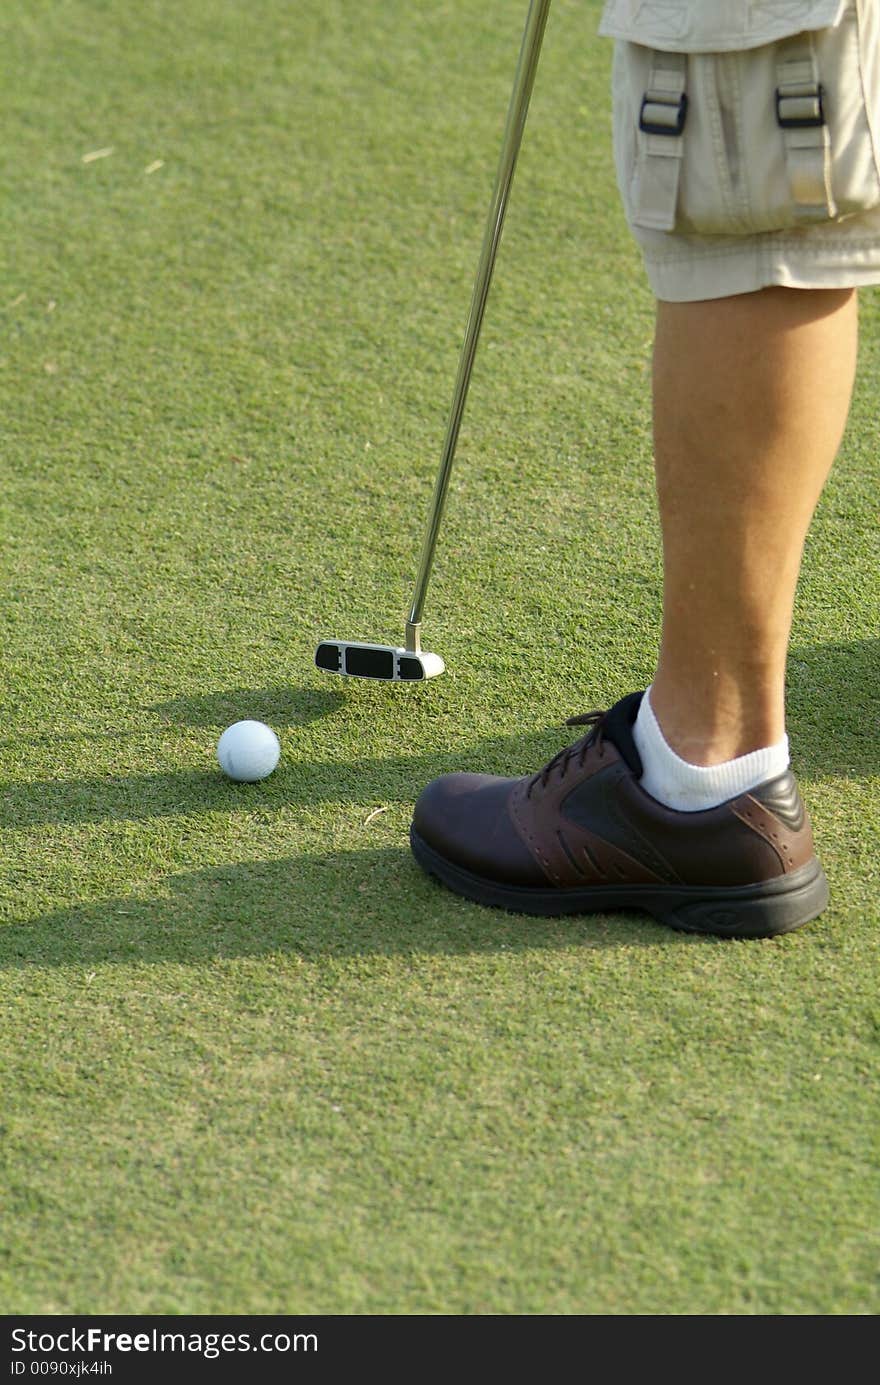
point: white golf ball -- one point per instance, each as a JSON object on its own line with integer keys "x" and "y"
{"x": 248, "y": 750}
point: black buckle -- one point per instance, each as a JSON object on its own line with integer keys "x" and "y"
{"x": 806, "y": 122}
{"x": 679, "y": 105}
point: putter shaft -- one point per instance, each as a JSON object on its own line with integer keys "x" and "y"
{"x": 516, "y": 119}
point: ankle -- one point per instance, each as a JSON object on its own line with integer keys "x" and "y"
{"x": 715, "y": 730}
{"x": 690, "y": 787}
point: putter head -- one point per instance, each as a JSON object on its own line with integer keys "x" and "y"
{"x": 382, "y": 661}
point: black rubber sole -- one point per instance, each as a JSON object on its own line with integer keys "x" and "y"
{"x": 762, "y": 910}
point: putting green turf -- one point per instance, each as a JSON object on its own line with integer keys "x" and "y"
{"x": 253, "y": 1060}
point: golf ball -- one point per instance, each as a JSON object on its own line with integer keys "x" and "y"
{"x": 248, "y": 750}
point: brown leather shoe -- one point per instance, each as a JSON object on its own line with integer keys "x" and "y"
{"x": 582, "y": 836}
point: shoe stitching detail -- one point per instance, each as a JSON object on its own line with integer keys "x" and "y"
{"x": 773, "y": 838}
{"x": 569, "y": 854}
{"x": 530, "y": 840}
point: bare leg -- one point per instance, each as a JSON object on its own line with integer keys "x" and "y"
{"x": 751, "y": 397}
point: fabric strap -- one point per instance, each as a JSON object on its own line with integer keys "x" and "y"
{"x": 800, "y": 113}
{"x": 660, "y": 154}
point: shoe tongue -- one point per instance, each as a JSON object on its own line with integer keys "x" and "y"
{"x": 617, "y": 727}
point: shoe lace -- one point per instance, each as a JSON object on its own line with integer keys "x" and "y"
{"x": 561, "y": 762}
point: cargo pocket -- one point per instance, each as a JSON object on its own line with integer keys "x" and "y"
{"x": 775, "y": 138}
{"x": 848, "y": 61}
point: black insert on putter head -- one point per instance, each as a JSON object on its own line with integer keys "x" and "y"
{"x": 382, "y": 661}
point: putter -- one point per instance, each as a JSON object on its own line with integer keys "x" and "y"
{"x": 410, "y": 663}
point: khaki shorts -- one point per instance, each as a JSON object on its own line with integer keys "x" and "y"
{"x": 735, "y": 218}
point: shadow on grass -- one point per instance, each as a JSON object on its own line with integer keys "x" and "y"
{"x": 298, "y": 783}
{"x": 279, "y": 707}
{"x": 830, "y": 689}
{"x": 348, "y": 903}
{"x": 832, "y": 708}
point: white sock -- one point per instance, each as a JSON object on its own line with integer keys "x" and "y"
{"x": 693, "y": 788}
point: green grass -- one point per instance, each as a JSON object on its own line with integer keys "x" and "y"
{"x": 253, "y": 1060}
